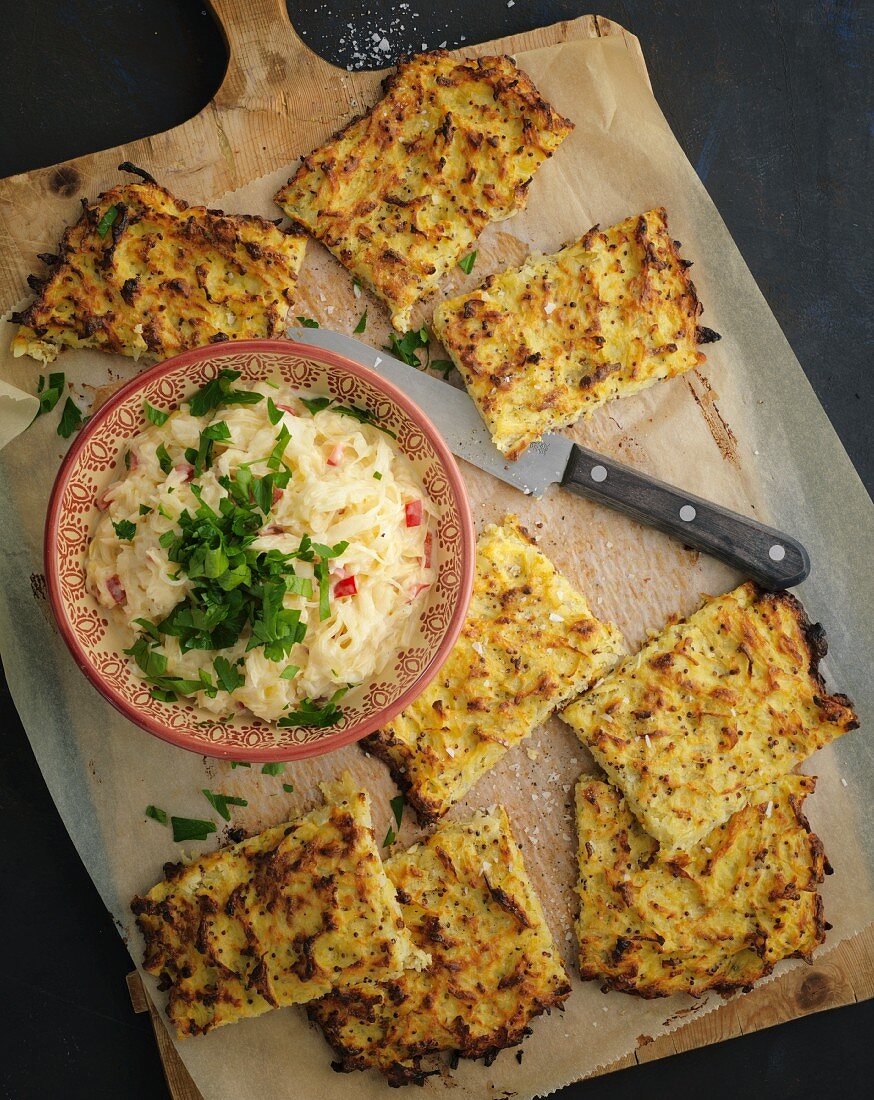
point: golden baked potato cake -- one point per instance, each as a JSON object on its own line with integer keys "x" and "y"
{"x": 720, "y": 916}
{"x": 402, "y": 193}
{"x": 710, "y": 710}
{"x": 529, "y": 644}
{"x": 279, "y": 919}
{"x": 607, "y": 316}
{"x": 468, "y": 902}
{"x": 142, "y": 273}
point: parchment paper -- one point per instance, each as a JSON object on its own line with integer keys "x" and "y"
{"x": 746, "y": 430}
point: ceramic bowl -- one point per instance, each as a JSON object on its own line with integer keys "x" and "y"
{"x": 97, "y": 642}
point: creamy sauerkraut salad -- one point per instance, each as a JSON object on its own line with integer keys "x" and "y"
{"x": 264, "y": 549}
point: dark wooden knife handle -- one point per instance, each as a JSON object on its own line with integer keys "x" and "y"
{"x": 770, "y": 557}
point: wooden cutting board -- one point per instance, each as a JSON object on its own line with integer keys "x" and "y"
{"x": 277, "y": 101}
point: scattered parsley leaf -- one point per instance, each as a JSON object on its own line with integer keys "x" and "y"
{"x": 377, "y": 475}
{"x": 155, "y": 415}
{"x": 164, "y": 460}
{"x": 275, "y": 767}
{"x": 149, "y": 627}
{"x": 156, "y": 815}
{"x": 466, "y": 262}
{"x": 125, "y": 529}
{"x": 288, "y": 788}
{"x": 163, "y": 696}
{"x": 49, "y": 392}
{"x": 444, "y": 366}
{"x": 274, "y": 460}
{"x": 191, "y": 828}
{"x": 397, "y": 808}
{"x": 307, "y": 322}
{"x": 362, "y": 324}
{"x": 274, "y": 414}
{"x": 106, "y": 221}
{"x": 407, "y": 347}
{"x": 71, "y": 419}
{"x": 289, "y": 672}
{"x": 145, "y": 510}
{"x": 363, "y": 417}
{"x": 239, "y": 764}
{"x": 218, "y": 392}
{"x": 220, "y": 802}
{"x": 390, "y": 837}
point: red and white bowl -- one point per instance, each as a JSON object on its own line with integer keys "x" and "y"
{"x": 97, "y": 642}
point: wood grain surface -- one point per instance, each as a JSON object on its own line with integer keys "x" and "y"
{"x": 277, "y": 101}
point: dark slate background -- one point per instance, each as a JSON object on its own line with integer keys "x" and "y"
{"x": 771, "y": 101}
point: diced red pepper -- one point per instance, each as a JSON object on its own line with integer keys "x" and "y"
{"x": 413, "y": 513}
{"x": 336, "y": 455}
{"x": 346, "y": 587}
{"x": 131, "y": 461}
{"x": 277, "y": 495}
{"x": 104, "y": 498}
{"x": 417, "y": 588}
{"x": 288, "y": 409}
{"x": 429, "y": 543}
{"x": 185, "y": 468}
{"x": 115, "y": 589}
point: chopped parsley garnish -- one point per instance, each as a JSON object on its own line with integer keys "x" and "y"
{"x": 390, "y": 837}
{"x": 227, "y": 675}
{"x": 71, "y": 419}
{"x": 276, "y": 767}
{"x": 316, "y": 404}
{"x": 49, "y": 391}
{"x": 319, "y": 715}
{"x": 125, "y": 529}
{"x": 156, "y": 814}
{"x": 444, "y": 366}
{"x": 274, "y": 413}
{"x": 220, "y": 802}
{"x": 190, "y": 828}
{"x": 362, "y": 324}
{"x": 106, "y": 221}
{"x": 239, "y": 764}
{"x": 407, "y": 347}
{"x": 145, "y": 510}
{"x": 155, "y": 415}
{"x": 274, "y": 460}
{"x": 466, "y": 262}
{"x": 149, "y": 627}
{"x": 363, "y": 417}
{"x": 307, "y": 322}
{"x": 164, "y": 460}
{"x": 218, "y": 392}
{"x": 289, "y": 673}
{"x": 288, "y": 788}
{"x": 377, "y": 475}
{"x": 397, "y": 808}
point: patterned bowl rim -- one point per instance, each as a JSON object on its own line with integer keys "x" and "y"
{"x": 329, "y": 742}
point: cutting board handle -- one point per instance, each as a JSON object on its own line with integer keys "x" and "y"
{"x": 264, "y": 51}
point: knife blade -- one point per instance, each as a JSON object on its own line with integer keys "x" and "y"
{"x": 773, "y": 558}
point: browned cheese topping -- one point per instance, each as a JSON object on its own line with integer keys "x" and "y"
{"x": 468, "y": 902}
{"x": 141, "y": 273}
{"x": 710, "y": 710}
{"x": 720, "y": 916}
{"x": 607, "y": 316}
{"x": 529, "y": 644}
{"x": 401, "y": 194}
{"x": 279, "y": 919}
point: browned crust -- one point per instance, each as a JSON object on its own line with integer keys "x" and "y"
{"x": 836, "y": 707}
{"x": 378, "y": 745}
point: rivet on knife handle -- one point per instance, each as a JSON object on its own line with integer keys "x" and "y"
{"x": 774, "y": 559}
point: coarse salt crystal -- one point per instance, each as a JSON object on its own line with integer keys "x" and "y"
{"x": 768, "y": 808}
{"x": 648, "y": 742}
{"x": 843, "y": 782}
{"x": 450, "y": 751}
{"x": 477, "y": 648}
{"x": 549, "y": 308}
{"x": 553, "y": 618}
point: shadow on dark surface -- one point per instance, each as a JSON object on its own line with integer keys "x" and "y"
{"x": 768, "y": 100}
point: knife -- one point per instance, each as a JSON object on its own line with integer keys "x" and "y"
{"x": 774, "y": 559}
